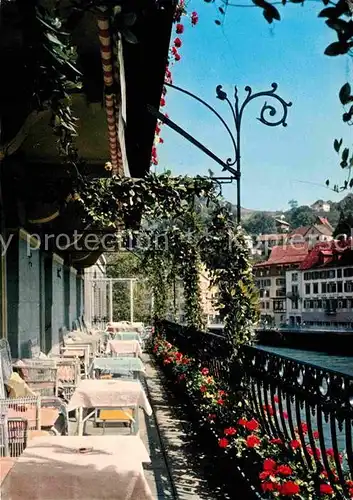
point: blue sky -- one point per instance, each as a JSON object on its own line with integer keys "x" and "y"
{"x": 278, "y": 164}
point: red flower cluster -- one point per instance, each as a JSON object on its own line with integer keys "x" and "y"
{"x": 272, "y": 477}
{"x": 250, "y": 425}
{"x": 179, "y": 29}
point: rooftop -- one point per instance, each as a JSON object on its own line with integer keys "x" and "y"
{"x": 286, "y": 254}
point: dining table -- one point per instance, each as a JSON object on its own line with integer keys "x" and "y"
{"x": 123, "y": 366}
{"x": 108, "y": 394}
{"x": 124, "y": 347}
{"x": 79, "y": 468}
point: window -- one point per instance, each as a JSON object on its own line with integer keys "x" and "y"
{"x": 295, "y": 304}
{"x": 280, "y": 292}
{"x": 348, "y": 273}
{"x": 332, "y": 274}
{"x": 323, "y": 287}
{"x": 280, "y": 281}
{"x": 331, "y": 287}
{"x": 339, "y": 273}
{"x": 315, "y": 288}
{"x": 267, "y": 305}
{"x": 295, "y": 277}
{"x": 316, "y": 275}
{"x": 339, "y": 286}
{"x": 348, "y": 286}
{"x": 307, "y": 289}
{"x": 307, "y": 276}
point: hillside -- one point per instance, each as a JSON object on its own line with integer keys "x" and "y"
{"x": 261, "y": 222}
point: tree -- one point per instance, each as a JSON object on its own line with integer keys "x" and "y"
{"x": 293, "y": 204}
{"x": 260, "y": 223}
{"x": 301, "y": 216}
{"x": 344, "y": 226}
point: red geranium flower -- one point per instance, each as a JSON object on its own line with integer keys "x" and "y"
{"x": 179, "y": 29}
{"x": 177, "y": 57}
{"x": 162, "y": 102}
{"x": 222, "y": 393}
{"x": 284, "y": 470}
{"x": 289, "y": 489}
{"x": 211, "y": 416}
{"x": 268, "y": 486}
{"x": 295, "y": 444}
{"x": 316, "y": 435}
{"x": 276, "y": 398}
{"x": 269, "y": 409}
{"x": 242, "y": 421}
{"x": 158, "y": 130}
{"x": 269, "y": 464}
{"x": 285, "y": 415}
{"x": 304, "y": 428}
{"x": 194, "y": 18}
{"x": 313, "y": 452}
{"x": 161, "y": 141}
{"x": 252, "y": 425}
{"x": 205, "y": 371}
{"x": 230, "y": 431}
{"x": 181, "y": 377}
{"x": 252, "y": 441}
{"x": 177, "y": 42}
{"x": 203, "y": 388}
{"x": 223, "y": 443}
{"x": 326, "y": 489}
{"x": 174, "y": 51}
{"x": 276, "y": 441}
{"x": 220, "y": 401}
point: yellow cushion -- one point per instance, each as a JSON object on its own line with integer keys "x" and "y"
{"x": 18, "y": 387}
{"x": 116, "y": 415}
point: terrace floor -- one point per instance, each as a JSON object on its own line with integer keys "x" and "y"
{"x": 177, "y": 467}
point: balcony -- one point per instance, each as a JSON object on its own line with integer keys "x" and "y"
{"x": 261, "y": 413}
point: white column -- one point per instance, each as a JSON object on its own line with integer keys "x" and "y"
{"x": 132, "y": 301}
{"x": 111, "y": 300}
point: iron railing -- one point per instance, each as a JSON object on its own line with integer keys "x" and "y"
{"x": 292, "y": 400}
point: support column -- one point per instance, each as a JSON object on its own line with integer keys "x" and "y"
{"x": 110, "y": 300}
{"x": 131, "y": 301}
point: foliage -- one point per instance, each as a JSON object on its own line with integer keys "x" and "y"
{"x": 226, "y": 256}
{"x": 278, "y": 464}
{"x": 260, "y": 223}
{"x": 293, "y": 204}
{"x": 301, "y": 216}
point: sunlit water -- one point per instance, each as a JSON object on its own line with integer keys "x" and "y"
{"x": 339, "y": 363}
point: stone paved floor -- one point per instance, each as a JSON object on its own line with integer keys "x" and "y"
{"x": 176, "y": 468}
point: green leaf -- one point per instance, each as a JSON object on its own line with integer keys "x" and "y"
{"x": 345, "y": 154}
{"x": 337, "y": 145}
{"x": 345, "y": 94}
{"x": 337, "y": 48}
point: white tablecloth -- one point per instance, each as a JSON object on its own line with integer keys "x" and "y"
{"x": 51, "y": 468}
{"x": 124, "y": 347}
{"x": 109, "y": 394}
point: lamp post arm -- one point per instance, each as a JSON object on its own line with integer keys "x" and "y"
{"x": 208, "y": 106}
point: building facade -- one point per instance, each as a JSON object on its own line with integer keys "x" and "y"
{"x": 324, "y": 293}
{"x": 271, "y": 281}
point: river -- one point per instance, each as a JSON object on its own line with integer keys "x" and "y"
{"x": 341, "y": 364}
